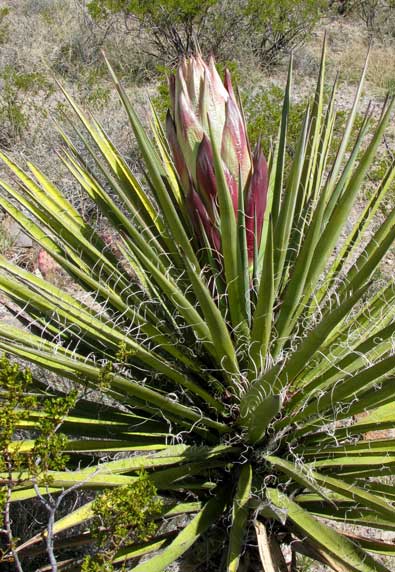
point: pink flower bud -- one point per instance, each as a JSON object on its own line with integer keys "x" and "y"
{"x": 189, "y": 130}
{"x": 178, "y": 157}
{"x": 201, "y": 216}
{"x": 228, "y": 84}
{"x": 256, "y": 200}
{"x": 201, "y": 104}
{"x": 233, "y": 187}
{"x": 205, "y": 175}
{"x": 235, "y": 151}
{"x": 172, "y": 92}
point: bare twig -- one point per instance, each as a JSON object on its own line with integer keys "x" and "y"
{"x": 8, "y": 524}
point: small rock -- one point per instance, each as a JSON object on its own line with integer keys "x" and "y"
{"x": 18, "y": 238}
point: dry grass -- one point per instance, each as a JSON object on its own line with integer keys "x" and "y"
{"x": 51, "y": 38}
{"x": 348, "y": 45}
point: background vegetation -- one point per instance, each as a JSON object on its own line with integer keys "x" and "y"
{"x": 41, "y": 40}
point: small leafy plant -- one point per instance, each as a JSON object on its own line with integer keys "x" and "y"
{"x": 123, "y": 515}
{"x": 173, "y": 28}
{"x": 230, "y": 346}
{"x": 18, "y": 87}
{"x": 278, "y": 26}
{"x": 33, "y": 460}
{"x": 4, "y": 12}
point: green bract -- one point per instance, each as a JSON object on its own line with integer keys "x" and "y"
{"x": 235, "y": 353}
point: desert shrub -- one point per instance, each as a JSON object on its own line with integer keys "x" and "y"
{"x": 93, "y": 90}
{"x": 19, "y": 89}
{"x": 122, "y": 516}
{"x": 227, "y": 343}
{"x": 371, "y": 11}
{"x": 276, "y": 27}
{"x": 173, "y": 25}
{"x": 377, "y": 15}
{"x": 342, "y": 7}
{"x": 79, "y": 53}
{"x": 226, "y": 29}
{"x": 4, "y": 12}
{"x": 41, "y": 413}
{"x": 263, "y": 112}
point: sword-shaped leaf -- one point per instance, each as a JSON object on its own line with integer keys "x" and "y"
{"x": 239, "y": 518}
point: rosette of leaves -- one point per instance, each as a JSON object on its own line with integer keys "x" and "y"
{"x": 231, "y": 342}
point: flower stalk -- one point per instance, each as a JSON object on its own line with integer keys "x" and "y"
{"x": 201, "y": 103}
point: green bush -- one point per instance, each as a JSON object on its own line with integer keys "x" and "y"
{"x": 173, "y": 25}
{"x": 23, "y": 406}
{"x": 16, "y": 96}
{"x": 4, "y": 12}
{"x": 122, "y": 516}
{"x": 227, "y": 29}
{"x": 263, "y": 112}
{"x": 276, "y": 27}
{"x": 377, "y": 15}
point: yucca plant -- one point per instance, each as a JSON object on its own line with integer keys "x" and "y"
{"x": 230, "y": 348}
